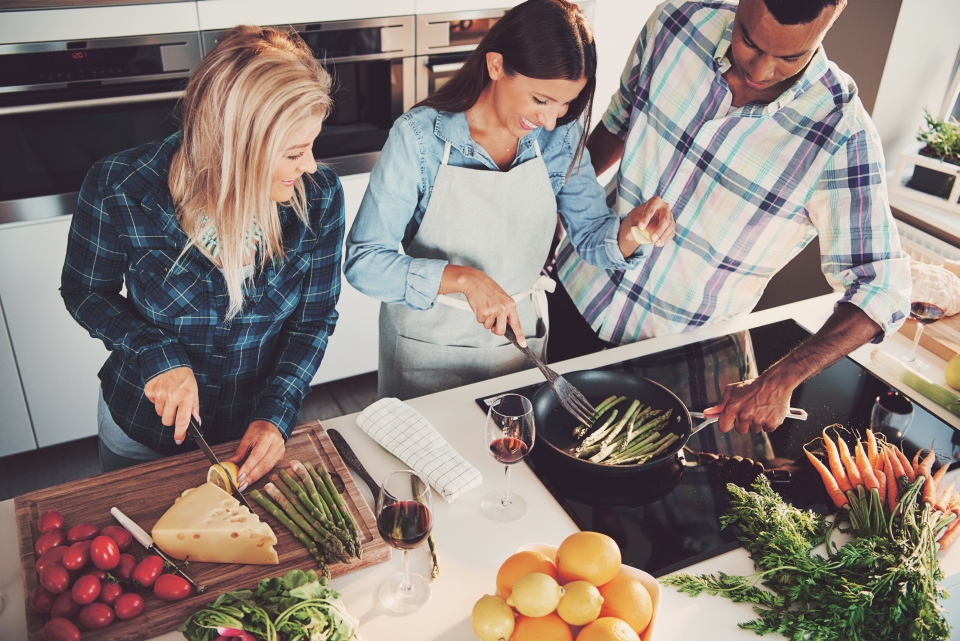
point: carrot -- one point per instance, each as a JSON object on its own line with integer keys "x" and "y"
{"x": 934, "y": 484}
{"x": 891, "y": 480}
{"x": 916, "y": 462}
{"x": 836, "y": 467}
{"x": 882, "y": 486}
{"x": 895, "y": 465}
{"x": 873, "y": 452}
{"x": 953, "y": 531}
{"x": 908, "y": 470}
{"x": 866, "y": 469}
{"x": 829, "y": 482}
{"x": 853, "y": 473}
{"x": 925, "y": 469}
{"x": 943, "y": 503}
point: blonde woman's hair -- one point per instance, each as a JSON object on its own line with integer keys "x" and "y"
{"x": 242, "y": 104}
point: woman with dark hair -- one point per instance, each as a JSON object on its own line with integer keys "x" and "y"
{"x": 469, "y": 183}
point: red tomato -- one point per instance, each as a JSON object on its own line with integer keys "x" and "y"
{"x": 123, "y": 538}
{"x": 55, "y": 578}
{"x": 128, "y": 605}
{"x": 50, "y": 520}
{"x": 65, "y": 606}
{"x": 147, "y": 570}
{"x": 104, "y": 553}
{"x": 96, "y": 616}
{"x": 86, "y": 589}
{"x": 124, "y": 569}
{"x": 170, "y": 587}
{"x": 50, "y": 540}
{"x": 82, "y": 532}
{"x": 97, "y": 572}
{"x": 77, "y": 556}
{"x": 41, "y": 600}
{"x": 54, "y": 555}
{"x": 59, "y": 629}
{"x": 109, "y": 593}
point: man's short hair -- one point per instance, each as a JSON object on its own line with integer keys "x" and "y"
{"x": 797, "y": 11}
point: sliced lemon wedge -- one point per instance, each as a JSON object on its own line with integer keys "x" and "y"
{"x": 641, "y": 236}
{"x": 224, "y": 476}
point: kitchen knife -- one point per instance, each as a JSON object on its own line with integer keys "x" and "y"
{"x": 194, "y": 431}
{"x": 147, "y": 541}
{"x": 350, "y": 458}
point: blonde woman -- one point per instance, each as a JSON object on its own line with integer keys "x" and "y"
{"x": 227, "y": 236}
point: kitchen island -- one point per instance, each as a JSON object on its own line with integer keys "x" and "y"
{"x": 472, "y": 547}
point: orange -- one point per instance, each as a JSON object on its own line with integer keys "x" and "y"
{"x": 625, "y": 598}
{"x": 607, "y": 629}
{"x": 520, "y": 565}
{"x": 588, "y": 556}
{"x": 548, "y": 628}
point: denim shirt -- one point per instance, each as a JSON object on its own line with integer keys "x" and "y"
{"x": 401, "y": 184}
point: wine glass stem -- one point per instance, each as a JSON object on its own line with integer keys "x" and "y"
{"x": 405, "y": 582}
{"x": 916, "y": 341}
{"x": 505, "y": 501}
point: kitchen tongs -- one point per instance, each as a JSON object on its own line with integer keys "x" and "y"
{"x": 571, "y": 399}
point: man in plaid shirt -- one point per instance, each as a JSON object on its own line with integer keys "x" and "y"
{"x": 732, "y": 117}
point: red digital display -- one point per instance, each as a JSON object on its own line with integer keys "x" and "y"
{"x": 78, "y": 55}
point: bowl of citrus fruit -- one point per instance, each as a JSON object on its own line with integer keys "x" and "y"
{"x": 579, "y": 591}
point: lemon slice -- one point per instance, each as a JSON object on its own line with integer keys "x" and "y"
{"x": 641, "y": 236}
{"x": 223, "y": 475}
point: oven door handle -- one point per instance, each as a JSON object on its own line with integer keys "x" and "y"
{"x": 95, "y": 102}
{"x": 445, "y": 67}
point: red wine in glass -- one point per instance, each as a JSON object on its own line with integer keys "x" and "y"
{"x": 405, "y": 524}
{"x": 508, "y": 450}
{"x": 925, "y": 313}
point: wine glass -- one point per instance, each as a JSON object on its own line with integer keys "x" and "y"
{"x": 509, "y": 433}
{"x": 925, "y": 288}
{"x": 404, "y": 519}
{"x": 892, "y": 411}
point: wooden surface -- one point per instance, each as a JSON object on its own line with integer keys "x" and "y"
{"x": 145, "y": 492}
{"x": 942, "y": 337}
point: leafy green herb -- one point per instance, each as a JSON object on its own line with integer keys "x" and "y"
{"x": 942, "y": 138}
{"x": 299, "y": 606}
{"x": 874, "y": 587}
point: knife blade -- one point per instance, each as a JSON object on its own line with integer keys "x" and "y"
{"x": 193, "y": 430}
{"x": 147, "y": 541}
{"x": 350, "y": 458}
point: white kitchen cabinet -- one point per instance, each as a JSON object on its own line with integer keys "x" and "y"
{"x": 353, "y": 348}
{"x": 16, "y": 433}
{"x": 57, "y": 360}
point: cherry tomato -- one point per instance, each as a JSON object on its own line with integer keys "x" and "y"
{"x": 104, "y": 553}
{"x": 97, "y": 572}
{"x": 109, "y": 593}
{"x": 124, "y": 569}
{"x": 77, "y": 556}
{"x": 50, "y": 540}
{"x": 41, "y": 600}
{"x": 60, "y": 629}
{"x": 148, "y": 570}
{"x": 55, "y": 578}
{"x": 96, "y": 616}
{"x": 54, "y": 555}
{"x": 128, "y": 605}
{"x": 50, "y": 520}
{"x": 82, "y": 532}
{"x": 170, "y": 587}
{"x": 123, "y": 538}
{"x": 65, "y": 606}
{"x": 86, "y": 589}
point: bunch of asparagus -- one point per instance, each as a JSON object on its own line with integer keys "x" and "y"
{"x": 305, "y": 500}
{"x": 634, "y": 439}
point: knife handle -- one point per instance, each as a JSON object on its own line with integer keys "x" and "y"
{"x": 128, "y": 524}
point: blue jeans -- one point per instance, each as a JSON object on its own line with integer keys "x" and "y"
{"x": 117, "y": 450}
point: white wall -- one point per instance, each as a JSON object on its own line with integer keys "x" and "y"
{"x": 918, "y": 67}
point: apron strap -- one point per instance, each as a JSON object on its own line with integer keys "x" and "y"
{"x": 446, "y": 153}
{"x": 537, "y": 294}
{"x": 536, "y": 147}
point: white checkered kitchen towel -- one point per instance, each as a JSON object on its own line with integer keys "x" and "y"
{"x": 407, "y": 435}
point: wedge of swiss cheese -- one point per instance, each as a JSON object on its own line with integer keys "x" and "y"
{"x": 208, "y": 525}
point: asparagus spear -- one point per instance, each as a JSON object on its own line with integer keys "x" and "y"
{"x": 341, "y": 506}
{"x": 577, "y": 448}
{"x": 336, "y": 540}
{"x": 307, "y": 481}
{"x": 331, "y": 545}
{"x": 336, "y": 522}
{"x": 606, "y": 405}
{"x": 278, "y": 514}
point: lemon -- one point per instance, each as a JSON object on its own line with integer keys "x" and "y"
{"x": 224, "y": 476}
{"x": 580, "y": 604}
{"x": 641, "y": 236}
{"x": 536, "y": 595}
{"x": 952, "y": 372}
{"x": 492, "y": 619}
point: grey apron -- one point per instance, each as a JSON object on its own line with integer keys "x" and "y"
{"x": 501, "y": 223}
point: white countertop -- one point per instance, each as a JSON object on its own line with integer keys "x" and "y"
{"x": 471, "y": 547}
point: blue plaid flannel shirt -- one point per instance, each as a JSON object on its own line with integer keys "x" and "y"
{"x": 256, "y": 366}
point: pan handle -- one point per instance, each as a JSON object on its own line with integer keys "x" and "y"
{"x": 792, "y": 412}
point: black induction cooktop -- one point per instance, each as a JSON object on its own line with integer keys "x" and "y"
{"x": 674, "y": 521}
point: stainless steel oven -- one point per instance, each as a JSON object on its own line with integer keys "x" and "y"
{"x": 64, "y": 105}
{"x": 373, "y": 70}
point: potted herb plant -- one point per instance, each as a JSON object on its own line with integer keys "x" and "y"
{"x": 942, "y": 141}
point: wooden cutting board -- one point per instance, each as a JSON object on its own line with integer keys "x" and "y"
{"x": 146, "y": 491}
{"x": 942, "y": 337}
